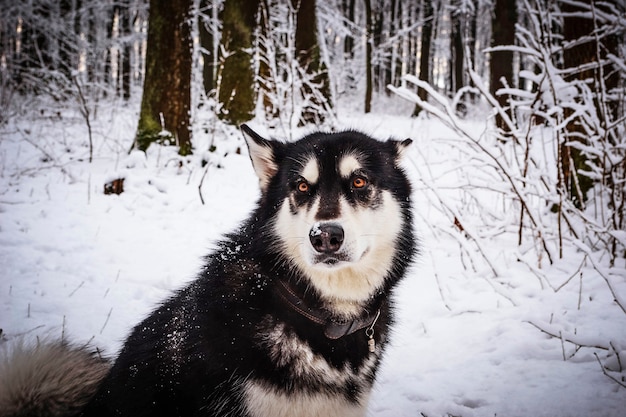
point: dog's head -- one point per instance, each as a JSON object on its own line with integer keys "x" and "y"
{"x": 340, "y": 208}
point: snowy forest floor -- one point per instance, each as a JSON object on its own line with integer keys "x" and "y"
{"x": 79, "y": 264}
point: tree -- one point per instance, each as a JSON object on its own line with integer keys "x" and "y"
{"x": 209, "y": 42}
{"x": 503, "y": 34}
{"x": 457, "y": 46}
{"x": 165, "y": 103}
{"x": 123, "y": 12}
{"x": 236, "y": 93}
{"x": 315, "y": 89}
{"x": 348, "y": 14}
{"x": 427, "y": 30}
{"x": 586, "y": 52}
{"x": 368, "y": 56}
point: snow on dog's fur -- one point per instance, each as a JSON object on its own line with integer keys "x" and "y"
{"x": 290, "y": 315}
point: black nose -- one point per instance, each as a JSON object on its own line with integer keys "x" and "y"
{"x": 326, "y": 237}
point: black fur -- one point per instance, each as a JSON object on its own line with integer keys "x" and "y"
{"x": 192, "y": 354}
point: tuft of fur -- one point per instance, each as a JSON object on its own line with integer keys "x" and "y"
{"x": 48, "y": 379}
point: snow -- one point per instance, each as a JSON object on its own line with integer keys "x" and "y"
{"x": 79, "y": 264}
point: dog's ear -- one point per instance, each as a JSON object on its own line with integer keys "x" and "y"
{"x": 401, "y": 148}
{"x": 262, "y": 155}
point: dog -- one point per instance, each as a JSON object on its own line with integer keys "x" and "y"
{"x": 289, "y": 316}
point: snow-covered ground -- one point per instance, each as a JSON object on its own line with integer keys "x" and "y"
{"x": 79, "y": 264}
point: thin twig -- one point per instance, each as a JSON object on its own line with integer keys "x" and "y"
{"x": 617, "y": 381}
{"x": 84, "y": 110}
{"x": 63, "y": 330}
{"x": 206, "y": 170}
{"x": 568, "y": 337}
{"x": 619, "y": 360}
{"x": 76, "y": 289}
{"x": 578, "y": 270}
{"x": 106, "y": 321}
{"x": 41, "y": 326}
{"x": 443, "y": 299}
{"x": 616, "y": 297}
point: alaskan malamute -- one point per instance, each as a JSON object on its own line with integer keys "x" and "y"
{"x": 289, "y": 317}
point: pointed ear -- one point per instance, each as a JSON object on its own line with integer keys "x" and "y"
{"x": 401, "y": 148}
{"x": 262, "y": 155}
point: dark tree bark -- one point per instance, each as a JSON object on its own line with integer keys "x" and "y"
{"x": 376, "y": 37}
{"x": 66, "y": 60}
{"x": 206, "y": 42}
{"x": 368, "y": 56}
{"x": 309, "y": 58}
{"x": 236, "y": 91}
{"x": 124, "y": 73}
{"x": 503, "y": 33}
{"x": 457, "y": 52}
{"x": 427, "y": 31}
{"x": 474, "y": 20}
{"x": 166, "y": 93}
{"x": 107, "y": 71}
{"x": 395, "y": 22}
{"x": 267, "y": 81}
{"x": 348, "y": 10}
{"x": 577, "y": 26}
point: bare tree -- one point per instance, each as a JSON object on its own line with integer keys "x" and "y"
{"x": 425, "y": 55}
{"x": 165, "y": 104}
{"x": 208, "y": 27}
{"x": 316, "y": 88}
{"x": 125, "y": 28}
{"x": 503, "y": 27}
{"x": 236, "y": 93}
{"x": 368, "y": 56}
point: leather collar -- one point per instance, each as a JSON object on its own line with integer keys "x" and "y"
{"x": 333, "y": 328}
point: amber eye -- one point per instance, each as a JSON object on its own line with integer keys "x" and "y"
{"x": 303, "y": 187}
{"x": 359, "y": 182}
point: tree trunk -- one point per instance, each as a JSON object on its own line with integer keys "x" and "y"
{"x": 107, "y": 71}
{"x": 316, "y": 91}
{"x": 428, "y": 17}
{"x": 125, "y": 33}
{"x": 66, "y": 57}
{"x": 206, "y": 43}
{"x": 395, "y": 21}
{"x": 457, "y": 52}
{"x": 236, "y": 91}
{"x": 503, "y": 33}
{"x": 348, "y": 46}
{"x": 267, "y": 75}
{"x": 165, "y": 103}
{"x": 376, "y": 37}
{"x": 368, "y": 56}
{"x": 576, "y": 27}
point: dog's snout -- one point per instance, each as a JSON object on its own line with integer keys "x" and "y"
{"x": 326, "y": 237}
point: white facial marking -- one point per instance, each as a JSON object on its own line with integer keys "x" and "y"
{"x": 367, "y": 251}
{"x": 348, "y": 165}
{"x": 311, "y": 171}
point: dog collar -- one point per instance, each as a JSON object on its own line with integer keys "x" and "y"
{"x": 333, "y": 328}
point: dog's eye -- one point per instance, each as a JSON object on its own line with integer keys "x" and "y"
{"x": 303, "y": 187}
{"x": 359, "y": 182}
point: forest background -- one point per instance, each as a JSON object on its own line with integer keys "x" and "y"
{"x": 558, "y": 63}
{"x": 532, "y": 90}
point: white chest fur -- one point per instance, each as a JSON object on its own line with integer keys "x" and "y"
{"x": 262, "y": 401}
{"x": 286, "y": 350}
